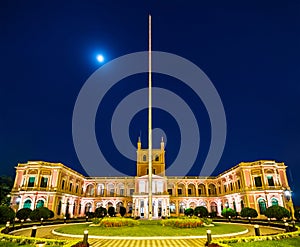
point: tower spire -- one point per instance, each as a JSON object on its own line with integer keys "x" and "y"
{"x": 150, "y": 126}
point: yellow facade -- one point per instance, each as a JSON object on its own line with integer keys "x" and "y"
{"x": 258, "y": 184}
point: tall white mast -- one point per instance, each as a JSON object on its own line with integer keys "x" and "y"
{"x": 150, "y": 127}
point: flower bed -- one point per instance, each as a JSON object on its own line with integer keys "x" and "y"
{"x": 183, "y": 223}
{"x": 118, "y": 222}
{"x": 33, "y": 241}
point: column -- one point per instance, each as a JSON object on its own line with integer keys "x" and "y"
{"x": 186, "y": 190}
{"x": 176, "y": 190}
{"x": 196, "y": 188}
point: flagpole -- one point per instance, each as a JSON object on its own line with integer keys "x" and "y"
{"x": 150, "y": 127}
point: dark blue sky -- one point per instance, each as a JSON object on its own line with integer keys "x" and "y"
{"x": 250, "y": 50}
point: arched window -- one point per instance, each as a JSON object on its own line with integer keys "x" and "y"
{"x": 182, "y": 207}
{"x": 262, "y": 206}
{"x": 144, "y": 157}
{"x": 156, "y": 158}
{"x": 213, "y": 207}
{"x": 274, "y": 202}
{"x": 88, "y": 207}
{"x": 27, "y": 204}
{"x": 40, "y": 203}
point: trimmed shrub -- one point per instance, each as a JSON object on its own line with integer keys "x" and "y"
{"x": 90, "y": 215}
{"x": 189, "y": 212}
{"x": 41, "y": 212}
{"x": 201, "y": 211}
{"x": 100, "y": 212}
{"x": 6, "y": 214}
{"x": 122, "y": 211}
{"x": 297, "y": 213}
{"x": 111, "y": 211}
{"x": 23, "y": 213}
{"x": 277, "y": 212}
{"x": 249, "y": 212}
{"x": 226, "y": 212}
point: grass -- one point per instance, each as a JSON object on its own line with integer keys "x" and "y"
{"x": 291, "y": 242}
{"x": 149, "y": 228}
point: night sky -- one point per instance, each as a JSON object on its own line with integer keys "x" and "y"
{"x": 250, "y": 50}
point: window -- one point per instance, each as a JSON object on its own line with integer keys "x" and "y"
{"x": 262, "y": 206}
{"x": 274, "y": 202}
{"x": 170, "y": 191}
{"x": 121, "y": 192}
{"x": 63, "y": 184}
{"x": 131, "y": 191}
{"x": 58, "y": 211}
{"x": 44, "y": 182}
{"x": 31, "y": 181}
{"x": 209, "y": 191}
{"x": 239, "y": 184}
{"x": 153, "y": 171}
{"x": 172, "y": 207}
{"x": 39, "y": 204}
{"x": 270, "y": 181}
{"x": 156, "y": 158}
{"x": 199, "y": 192}
{"x": 219, "y": 189}
{"x": 76, "y": 190}
{"x": 189, "y": 191}
{"x": 224, "y": 188}
{"x": 234, "y": 206}
{"x": 257, "y": 181}
{"x": 27, "y": 204}
{"x": 144, "y": 158}
{"x": 111, "y": 192}
{"x": 179, "y": 191}
{"x": 242, "y": 204}
{"x": 70, "y": 187}
{"x": 231, "y": 187}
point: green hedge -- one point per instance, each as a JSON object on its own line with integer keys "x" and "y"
{"x": 225, "y": 242}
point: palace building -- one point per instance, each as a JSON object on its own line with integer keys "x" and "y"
{"x": 258, "y": 185}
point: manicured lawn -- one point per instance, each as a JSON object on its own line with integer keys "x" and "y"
{"x": 291, "y": 242}
{"x": 149, "y": 228}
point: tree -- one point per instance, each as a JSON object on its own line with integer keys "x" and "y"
{"x": 297, "y": 213}
{"x": 122, "y": 211}
{"x": 41, "y": 212}
{"x": 226, "y": 212}
{"x": 201, "y": 211}
{"x": 6, "y": 184}
{"x": 23, "y": 213}
{"x": 277, "y": 212}
{"x": 189, "y": 212}
{"x": 249, "y": 212}
{"x": 100, "y": 212}
{"x": 6, "y": 214}
{"x": 111, "y": 211}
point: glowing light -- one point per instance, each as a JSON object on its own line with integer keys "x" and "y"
{"x": 100, "y": 58}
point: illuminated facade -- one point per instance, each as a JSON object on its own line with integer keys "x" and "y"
{"x": 258, "y": 185}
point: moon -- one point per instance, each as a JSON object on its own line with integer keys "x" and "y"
{"x": 100, "y": 58}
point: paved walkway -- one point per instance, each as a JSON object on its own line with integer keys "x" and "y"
{"x": 46, "y": 232}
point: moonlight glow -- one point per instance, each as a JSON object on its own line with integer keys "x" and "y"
{"x": 100, "y": 58}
